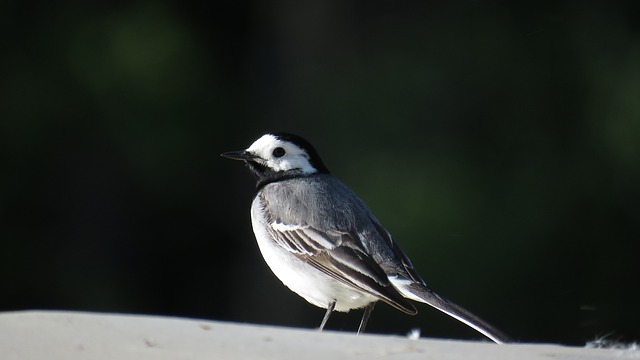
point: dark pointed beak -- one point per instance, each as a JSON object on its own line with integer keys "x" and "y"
{"x": 238, "y": 155}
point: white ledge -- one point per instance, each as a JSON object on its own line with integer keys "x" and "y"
{"x": 28, "y": 335}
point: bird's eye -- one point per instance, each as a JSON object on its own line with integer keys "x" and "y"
{"x": 278, "y": 152}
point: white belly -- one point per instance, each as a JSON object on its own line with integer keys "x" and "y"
{"x": 303, "y": 279}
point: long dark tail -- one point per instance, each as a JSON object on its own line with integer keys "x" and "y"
{"x": 421, "y": 293}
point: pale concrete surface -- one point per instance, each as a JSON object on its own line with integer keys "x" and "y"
{"x": 32, "y": 335}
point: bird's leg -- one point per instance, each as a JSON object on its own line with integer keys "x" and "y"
{"x": 365, "y": 316}
{"x": 330, "y": 307}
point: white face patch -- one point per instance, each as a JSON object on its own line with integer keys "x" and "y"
{"x": 294, "y": 157}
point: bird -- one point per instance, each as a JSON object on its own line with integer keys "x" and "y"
{"x": 325, "y": 244}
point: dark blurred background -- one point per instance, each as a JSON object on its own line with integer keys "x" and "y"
{"x": 498, "y": 142}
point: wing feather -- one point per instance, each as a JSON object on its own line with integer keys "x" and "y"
{"x": 341, "y": 257}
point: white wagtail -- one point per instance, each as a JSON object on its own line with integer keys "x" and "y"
{"x": 324, "y": 243}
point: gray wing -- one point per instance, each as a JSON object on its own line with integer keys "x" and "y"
{"x": 332, "y": 230}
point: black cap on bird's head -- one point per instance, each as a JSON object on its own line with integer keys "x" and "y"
{"x": 314, "y": 157}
